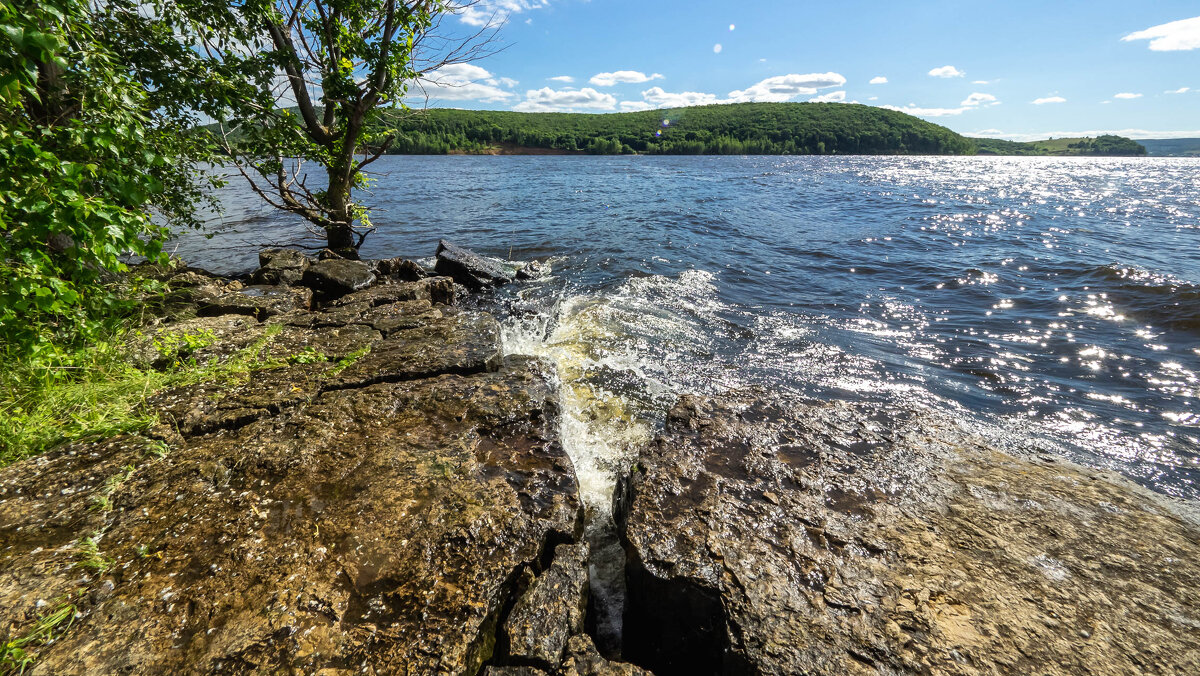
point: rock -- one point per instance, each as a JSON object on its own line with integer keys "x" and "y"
{"x": 584, "y": 660}
{"x": 258, "y": 301}
{"x": 335, "y": 277}
{"x": 514, "y": 671}
{"x": 400, "y": 268}
{"x": 205, "y": 339}
{"x": 280, "y": 266}
{"x": 552, "y": 610}
{"x": 892, "y": 542}
{"x": 430, "y": 289}
{"x": 462, "y": 343}
{"x": 533, "y": 270}
{"x": 376, "y": 530}
{"x": 468, "y": 268}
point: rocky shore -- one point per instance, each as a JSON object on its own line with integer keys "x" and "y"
{"x": 389, "y": 494}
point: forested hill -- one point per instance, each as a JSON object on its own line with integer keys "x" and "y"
{"x": 730, "y": 129}
{"x": 1106, "y": 146}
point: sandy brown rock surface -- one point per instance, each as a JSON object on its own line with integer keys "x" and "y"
{"x": 785, "y": 538}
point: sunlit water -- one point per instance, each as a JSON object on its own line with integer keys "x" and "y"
{"x": 1054, "y": 303}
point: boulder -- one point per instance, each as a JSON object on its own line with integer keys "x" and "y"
{"x": 582, "y": 659}
{"x": 378, "y": 529}
{"x": 469, "y": 268}
{"x": 533, "y": 270}
{"x": 551, "y": 611}
{"x": 205, "y": 339}
{"x": 777, "y": 537}
{"x": 333, "y": 278}
{"x": 258, "y": 301}
{"x": 400, "y": 269}
{"x": 280, "y": 266}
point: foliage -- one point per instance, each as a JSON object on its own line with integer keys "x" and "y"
{"x": 338, "y": 64}
{"x": 88, "y": 162}
{"x": 732, "y": 129}
{"x": 15, "y": 654}
{"x": 1107, "y": 146}
{"x": 1172, "y": 147}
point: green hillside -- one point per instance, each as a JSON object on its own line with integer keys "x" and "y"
{"x": 1173, "y": 147}
{"x": 1107, "y": 146}
{"x": 732, "y": 129}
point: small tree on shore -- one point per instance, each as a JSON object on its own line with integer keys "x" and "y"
{"x": 323, "y": 76}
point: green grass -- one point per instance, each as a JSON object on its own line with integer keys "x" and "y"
{"x": 93, "y": 393}
{"x": 16, "y": 655}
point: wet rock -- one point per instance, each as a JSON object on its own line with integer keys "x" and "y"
{"x": 258, "y": 301}
{"x": 552, "y": 610}
{"x": 205, "y": 339}
{"x": 335, "y": 277}
{"x": 584, "y": 660}
{"x": 469, "y": 268}
{"x": 328, "y": 343}
{"x": 378, "y": 530}
{"x": 514, "y": 671}
{"x": 533, "y": 270}
{"x": 780, "y": 537}
{"x": 401, "y": 269}
{"x": 462, "y": 343}
{"x": 280, "y": 266}
{"x": 430, "y": 289}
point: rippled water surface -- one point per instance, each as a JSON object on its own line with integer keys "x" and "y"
{"x": 1055, "y": 300}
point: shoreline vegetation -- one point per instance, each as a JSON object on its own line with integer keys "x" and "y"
{"x": 726, "y": 129}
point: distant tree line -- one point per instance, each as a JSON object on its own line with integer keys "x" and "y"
{"x": 733, "y": 129}
{"x": 1106, "y": 145}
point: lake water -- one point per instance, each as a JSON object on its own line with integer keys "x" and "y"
{"x": 1054, "y": 303}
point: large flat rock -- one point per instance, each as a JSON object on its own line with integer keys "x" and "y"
{"x": 377, "y": 529}
{"x": 788, "y": 538}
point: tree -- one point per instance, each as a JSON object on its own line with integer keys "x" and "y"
{"x": 323, "y": 72}
{"x": 88, "y": 160}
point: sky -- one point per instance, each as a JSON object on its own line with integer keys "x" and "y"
{"x": 1015, "y": 69}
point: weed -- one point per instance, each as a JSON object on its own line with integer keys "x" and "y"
{"x": 348, "y": 360}
{"x": 15, "y": 655}
{"x": 307, "y": 356}
{"x": 88, "y": 556}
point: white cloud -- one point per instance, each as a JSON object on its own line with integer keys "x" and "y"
{"x": 632, "y": 106}
{"x": 980, "y": 82}
{"x": 787, "y": 87}
{"x": 978, "y": 99}
{"x": 1049, "y": 99}
{"x": 873, "y": 98}
{"x": 509, "y": 82}
{"x": 946, "y": 71}
{"x": 547, "y": 100}
{"x": 566, "y": 79}
{"x": 655, "y": 97}
{"x": 1127, "y": 95}
{"x": 1181, "y": 90}
{"x": 493, "y": 12}
{"x": 717, "y": 48}
{"x": 631, "y": 76}
{"x": 927, "y": 112}
{"x": 832, "y": 97}
{"x": 465, "y": 82}
{"x": 1129, "y": 133}
{"x": 879, "y": 80}
{"x": 1176, "y": 36}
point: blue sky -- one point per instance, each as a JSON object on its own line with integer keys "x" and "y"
{"x": 1012, "y": 69}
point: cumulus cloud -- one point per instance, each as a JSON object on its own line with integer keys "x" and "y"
{"x": 1181, "y": 90}
{"x": 493, "y": 12}
{"x": 633, "y": 106}
{"x": 465, "y": 82}
{"x": 1049, "y": 99}
{"x": 565, "y": 79}
{"x": 547, "y": 100}
{"x": 630, "y": 76}
{"x": 1127, "y": 95}
{"x": 978, "y": 99}
{"x": 655, "y": 97}
{"x": 946, "y": 71}
{"x": 831, "y": 97}
{"x": 787, "y": 87}
{"x": 1176, "y": 36}
{"x": 879, "y": 80}
{"x": 928, "y": 112}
